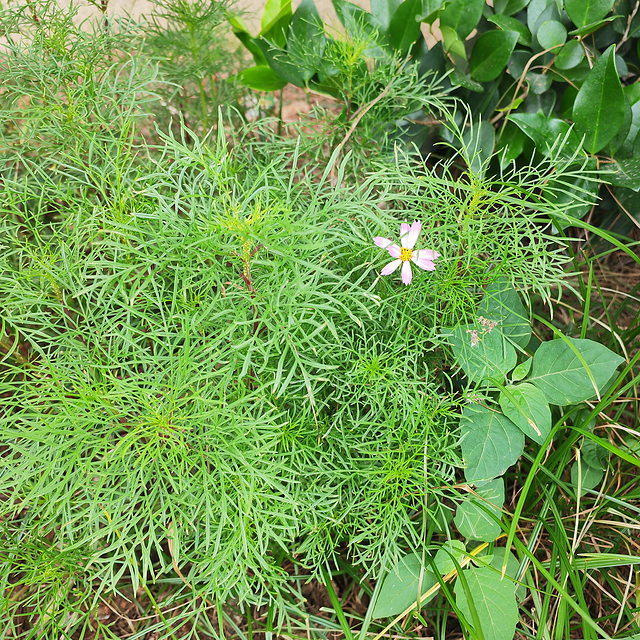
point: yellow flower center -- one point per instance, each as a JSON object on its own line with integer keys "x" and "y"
{"x": 405, "y": 254}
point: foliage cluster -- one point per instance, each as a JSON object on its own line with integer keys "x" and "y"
{"x": 211, "y": 395}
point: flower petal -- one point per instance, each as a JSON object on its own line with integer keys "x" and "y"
{"x": 425, "y": 264}
{"x": 409, "y": 241}
{"x": 381, "y": 242}
{"x": 427, "y": 254}
{"x": 390, "y": 268}
{"x": 406, "y": 272}
{"x": 405, "y": 227}
{"x": 394, "y": 250}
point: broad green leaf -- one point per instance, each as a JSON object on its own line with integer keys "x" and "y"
{"x": 482, "y": 351}
{"x": 592, "y": 27}
{"x": 491, "y": 53}
{"x": 545, "y": 132}
{"x": 620, "y": 137}
{"x": 587, "y": 476}
{"x": 535, "y": 9}
{"x": 584, "y": 12}
{"x": 509, "y": 7}
{"x": 462, "y": 16}
{"x": 459, "y": 79}
{"x": 275, "y": 25}
{"x": 430, "y": 10}
{"x": 593, "y": 454}
{"x": 575, "y": 194}
{"x": 522, "y": 370}
{"x": 490, "y": 444}
{"x": 383, "y": 11}
{"x": 479, "y": 141}
{"x": 633, "y": 92}
{"x": 454, "y": 46}
{"x": 503, "y": 304}
{"x": 507, "y": 23}
{"x": 306, "y": 39}
{"x": 526, "y": 407}
{"x": 241, "y": 31}
{"x": 598, "y": 111}
{"x": 510, "y": 144}
{"x": 494, "y": 600}
{"x": 355, "y": 19}
{"x": 544, "y": 102}
{"x": 261, "y": 78}
{"x": 551, "y": 34}
{"x": 558, "y": 372}
{"x": 281, "y": 62}
{"x": 274, "y": 10}
{"x": 307, "y": 25}
{"x": 473, "y": 517}
{"x": 443, "y": 560}
{"x": 400, "y": 587}
{"x": 404, "y": 30}
{"x": 512, "y": 569}
{"x": 569, "y": 56}
{"x": 358, "y": 21}
{"x": 623, "y": 173}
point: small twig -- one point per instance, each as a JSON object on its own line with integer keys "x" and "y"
{"x": 625, "y": 35}
{"x": 357, "y": 116}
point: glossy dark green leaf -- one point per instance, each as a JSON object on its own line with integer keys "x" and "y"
{"x": 306, "y": 40}
{"x": 569, "y": 56}
{"x": 490, "y": 444}
{"x": 280, "y": 61}
{"x": 539, "y": 83}
{"x": 576, "y": 194}
{"x": 627, "y": 148}
{"x": 509, "y": 7}
{"x": 619, "y": 139}
{"x": 544, "y": 102}
{"x": 274, "y": 10}
{"x": 475, "y": 516}
{"x": 462, "y": 16}
{"x": 512, "y": 24}
{"x": 592, "y": 27}
{"x": 632, "y": 92}
{"x": 550, "y": 13}
{"x": 584, "y": 12}
{"x": 430, "y": 10}
{"x": 563, "y": 378}
{"x": 623, "y": 173}
{"x": 479, "y": 141}
{"x": 547, "y": 132}
{"x": 491, "y": 53}
{"x": 551, "y": 34}
{"x": 404, "y": 29}
{"x": 261, "y": 78}
{"x": 598, "y": 111}
{"x": 510, "y": 144}
{"x": 383, "y": 11}
{"x": 402, "y": 586}
{"x": 358, "y": 21}
{"x": 459, "y": 79}
{"x": 241, "y": 31}
{"x": 276, "y": 19}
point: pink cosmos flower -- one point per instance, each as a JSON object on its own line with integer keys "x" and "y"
{"x": 406, "y": 254}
